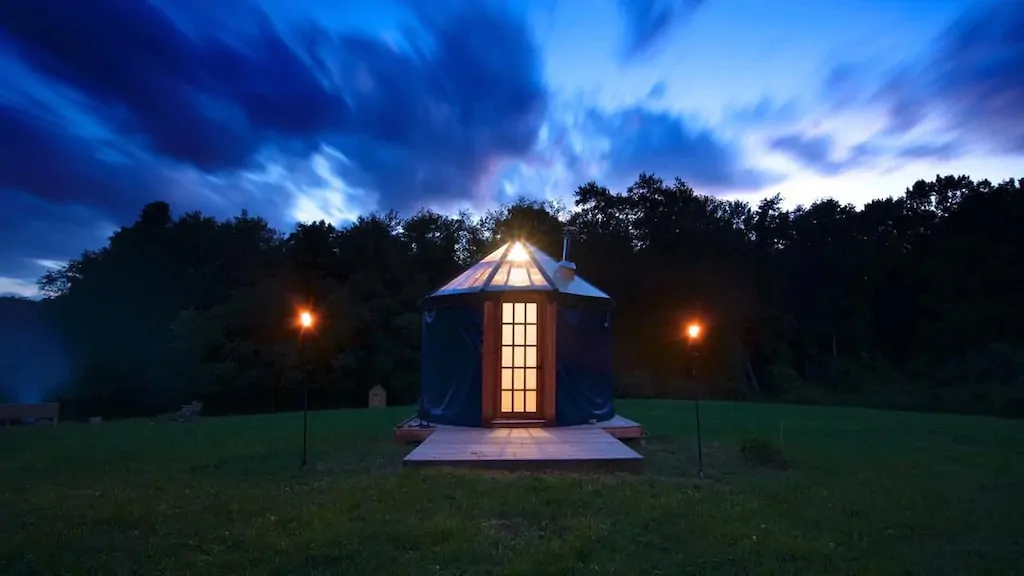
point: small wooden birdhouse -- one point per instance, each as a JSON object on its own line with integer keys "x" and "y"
{"x": 378, "y": 397}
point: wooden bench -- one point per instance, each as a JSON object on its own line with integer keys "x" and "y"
{"x": 42, "y": 411}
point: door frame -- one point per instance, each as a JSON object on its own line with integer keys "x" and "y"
{"x": 491, "y": 381}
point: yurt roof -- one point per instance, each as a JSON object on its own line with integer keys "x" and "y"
{"x": 518, "y": 266}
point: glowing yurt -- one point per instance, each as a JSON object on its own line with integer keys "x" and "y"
{"x": 517, "y": 339}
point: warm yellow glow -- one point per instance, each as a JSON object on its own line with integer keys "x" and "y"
{"x": 306, "y": 319}
{"x": 693, "y": 331}
{"x": 518, "y": 253}
{"x": 519, "y": 377}
{"x": 518, "y": 276}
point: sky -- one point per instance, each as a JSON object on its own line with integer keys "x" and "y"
{"x": 299, "y": 110}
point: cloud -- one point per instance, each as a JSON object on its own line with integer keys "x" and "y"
{"x": 960, "y": 96}
{"x": 765, "y": 113}
{"x": 657, "y": 91}
{"x": 17, "y": 287}
{"x": 930, "y": 151}
{"x": 647, "y": 23}
{"x": 581, "y": 143}
{"x": 821, "y": 154}
{"x": 969, "y": 82}
{"x": 314, "y": 188}
{"x": 226, "y": 109}
{"x": 445, "y": 119}
{"x": 847, "y": 84}
{"x": 426, "y": 120}
{"x": 642, "y": 140}
{"x": 818, "y": 153}
{"x": 47, "y": 160}
{"x": 34, "y": 232}
{"x": 202, "y": 100}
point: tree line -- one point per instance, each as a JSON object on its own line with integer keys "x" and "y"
{"x": 909, "y": 302}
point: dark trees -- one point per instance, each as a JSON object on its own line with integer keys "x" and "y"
{"x": 909, "y": 301}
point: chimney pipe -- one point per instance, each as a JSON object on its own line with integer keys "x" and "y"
{"x": 566, "y": 234}
{"x": 566, "y": 270}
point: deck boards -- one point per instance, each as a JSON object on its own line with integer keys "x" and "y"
{"x": 525, "y": 448}
{"x": 413, "y": 430}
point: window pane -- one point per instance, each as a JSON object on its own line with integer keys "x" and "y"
{"x": 506, "y": 356}
{"x": 520, "y": 312}
{"x": 478, "y": 280}
{"x": 506, "y": 378}
{"x": 531, "y": 312}
{"x": 518, "y": 402}
{"x": 506, "y": 312}
{"x": 518, "y": 276}
{"x": 518, "y": 379}
{"x": 493, "y": 256}
{"x": 520, "y": 333}
{"x": 506, "y": 401}
{"x": 506, "y": 335}
{"x": 501, "y": 278}
{"x": 536, "y": 278}
{"x": 531, "y": 335}
{"x": 531, "y": 401}
{"x": 531, "y": 357}
{"x": 518, "y": 358}
{"x": 531, "y": 379}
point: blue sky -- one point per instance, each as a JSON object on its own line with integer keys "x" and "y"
{"x": 298, "y": 110}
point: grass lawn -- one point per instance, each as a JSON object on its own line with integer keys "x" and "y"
{"x": 867, "y": 492}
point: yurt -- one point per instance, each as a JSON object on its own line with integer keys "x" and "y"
{"x": 517, "y": 339}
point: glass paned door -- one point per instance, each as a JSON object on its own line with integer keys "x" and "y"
{"x": 519, "y": 356}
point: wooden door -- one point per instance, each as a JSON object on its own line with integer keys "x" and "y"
{"x": 520, "y": 371}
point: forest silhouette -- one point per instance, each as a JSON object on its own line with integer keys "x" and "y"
{"x": 910, "y": 302}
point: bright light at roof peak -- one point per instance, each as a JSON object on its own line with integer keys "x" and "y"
{"x": 518, "y": 253}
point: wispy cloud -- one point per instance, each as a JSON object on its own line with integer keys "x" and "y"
{"x": 17, "y": 287}
{"x": 647, "y": 23}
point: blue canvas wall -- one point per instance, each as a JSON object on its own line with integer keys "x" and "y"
{"x": 584, "y": 380}
{"x": 451, "y": 364}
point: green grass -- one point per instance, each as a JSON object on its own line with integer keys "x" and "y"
{"x": 861, "y": 492}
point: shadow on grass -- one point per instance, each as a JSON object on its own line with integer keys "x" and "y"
{"x": 365, "y": 457}
{"x": 667, "y": 456}
{"x": 376, "y": 456}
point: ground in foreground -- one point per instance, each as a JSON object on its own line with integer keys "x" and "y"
{"x": 865, "y": 492}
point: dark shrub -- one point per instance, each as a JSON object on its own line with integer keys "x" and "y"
{"x": 764, "y": 454}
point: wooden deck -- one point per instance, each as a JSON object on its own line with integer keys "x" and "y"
{"x": 565, "y": 448}
{"x": 414, "y": 430}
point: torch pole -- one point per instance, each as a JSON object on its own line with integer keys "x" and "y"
{"x": 696, "y": 410}
{"x": 305, "y": 402}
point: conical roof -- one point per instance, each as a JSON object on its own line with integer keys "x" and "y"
{"x": 518, "y": 266}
